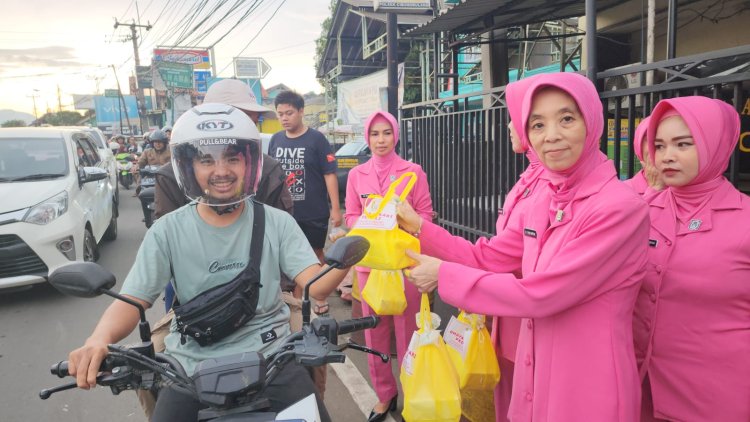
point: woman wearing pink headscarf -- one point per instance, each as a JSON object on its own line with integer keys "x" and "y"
{"x": 374, "y": 177}
{"x": 582, "y": 249}
{"x": 692, "y": 318}
{"x": 648, "y": 178}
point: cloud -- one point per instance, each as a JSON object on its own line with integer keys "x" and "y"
{"x": 52, "y": 56}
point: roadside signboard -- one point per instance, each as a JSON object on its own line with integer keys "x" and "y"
{"x": 198, "y": 58}
{"x": 402, "y": 6}
{"x": 201, "y": 81}
{"x": 176, "y": 75}
{"x": 251, "y": 67}
{"x": 145, "y": 79}
{"x": 111, "y": 93}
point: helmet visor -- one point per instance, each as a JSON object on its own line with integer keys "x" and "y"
{"x": 218, "y": 171}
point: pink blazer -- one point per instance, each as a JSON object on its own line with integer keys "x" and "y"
{"x": 575, "y": 359}
{"x": 692, "y": 319}
{"x": 638, "y": 183}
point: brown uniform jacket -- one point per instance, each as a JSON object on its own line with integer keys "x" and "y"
{"x": 152, "y": 157}
{"x": 271, "y": 190}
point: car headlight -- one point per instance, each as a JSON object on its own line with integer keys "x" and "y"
{"x": 47, "y": 211}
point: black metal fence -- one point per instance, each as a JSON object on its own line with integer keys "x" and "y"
{"x": 462, "y": 141}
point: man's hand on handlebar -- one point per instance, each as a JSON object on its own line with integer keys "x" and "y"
{"x": 85, "y": 361}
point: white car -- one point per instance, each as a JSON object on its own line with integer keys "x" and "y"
{"x": 58, "y": 202}
{"x": 105, "y": 153}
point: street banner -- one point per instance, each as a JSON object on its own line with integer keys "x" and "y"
{"x": 172, "y": 75}
{"x": 358, "y": 98}
{"x": 197, "y": 58}
{"x": 145, "y": 79}
{"x": 108, "y": 109}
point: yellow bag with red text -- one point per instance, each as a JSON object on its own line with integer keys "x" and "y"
{"x": 377, "y": 224}
{"x": 429, "y": 381}
{"x": 471, "y": 351}
{"x": 384, "y": 292}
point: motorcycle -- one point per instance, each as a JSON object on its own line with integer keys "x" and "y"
{"x": 146, "y": 193}
{"x": 231, "y": 386}
{"x": 124, "y": 167}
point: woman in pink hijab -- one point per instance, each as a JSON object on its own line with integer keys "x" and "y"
{"x": 582, "y": 249}
{"x": 374, "y": 177}
{"x": 692, "y": 318}
{"x": 648, "y": 178}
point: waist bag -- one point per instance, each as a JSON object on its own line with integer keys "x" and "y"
{"x": 221, "y": 310}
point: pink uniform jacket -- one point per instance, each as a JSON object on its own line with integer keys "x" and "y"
{"x": 692, "y": 320}
{"x": 581, "y": 275}
{"x": 638, "y": 183}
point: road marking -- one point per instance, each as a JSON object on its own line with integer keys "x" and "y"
{"x": 363, "y": 395}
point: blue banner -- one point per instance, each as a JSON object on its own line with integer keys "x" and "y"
{"x": 108, "y": 109}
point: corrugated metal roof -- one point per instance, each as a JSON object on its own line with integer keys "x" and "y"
{"x": 479, "y": 16}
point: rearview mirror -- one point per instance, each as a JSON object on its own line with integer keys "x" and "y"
{"x": 82, "y": 279}
{"x": 347, "y": 251}
{"x": 91, "y": 174}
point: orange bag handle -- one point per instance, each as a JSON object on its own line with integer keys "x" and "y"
{"x": 391, "y": 193}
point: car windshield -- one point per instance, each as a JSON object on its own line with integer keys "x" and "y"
{"x": 352, "y": 148}
{"x": 25, "y": 159}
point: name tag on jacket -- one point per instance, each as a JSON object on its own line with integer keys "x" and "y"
{"x": 529, "y": 232}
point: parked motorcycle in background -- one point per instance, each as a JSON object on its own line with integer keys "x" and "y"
{"x": 124, "y": 168}
{"x": 146, "y": 192}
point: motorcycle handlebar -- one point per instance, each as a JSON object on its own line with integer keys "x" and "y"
{"x": 358, "y": 324}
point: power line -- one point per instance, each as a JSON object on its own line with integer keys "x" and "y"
{"x": 254, "y": 37}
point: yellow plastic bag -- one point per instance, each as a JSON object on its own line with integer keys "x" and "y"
{"x": 472, "y": 353}
{"x": 384, "y": 292}
{"x": 388, "y": 243}
{"x": 430, "y": 382}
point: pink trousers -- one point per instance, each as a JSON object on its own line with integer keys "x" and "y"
{"x": 379, "y": 338}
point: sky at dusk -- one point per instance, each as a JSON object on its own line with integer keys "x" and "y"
{"x": 45, "y": 44}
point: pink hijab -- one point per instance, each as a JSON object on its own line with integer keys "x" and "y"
{"x": 514, "y": 94}
{"x": 640, "y": 136}
{"x": 715, "y": 126}
{"x": 383, "y": 165}
{"x": 583, "y": 92}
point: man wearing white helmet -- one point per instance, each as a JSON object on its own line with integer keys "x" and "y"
{"x": 217, "y": 157}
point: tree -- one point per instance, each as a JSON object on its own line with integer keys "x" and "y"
{"x": 62, "y": 118}
{"x": 320, "y": 43}
{"x": 14, "y": 123}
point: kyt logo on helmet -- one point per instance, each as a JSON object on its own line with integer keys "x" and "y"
{"x": 214, "y": 125}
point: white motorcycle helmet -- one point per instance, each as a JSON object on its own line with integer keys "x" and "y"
{"x": 216, "y": 155}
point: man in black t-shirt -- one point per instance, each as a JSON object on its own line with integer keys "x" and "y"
{"x": 310, "y": 166}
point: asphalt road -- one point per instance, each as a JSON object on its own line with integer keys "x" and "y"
{"x": 38, "y": 327}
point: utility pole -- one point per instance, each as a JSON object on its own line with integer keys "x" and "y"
{"x": 34, "y": 96}
{"x": 59, "y": 100}
{"x": 139, "y": 90}
{"x": 123, "y": 106}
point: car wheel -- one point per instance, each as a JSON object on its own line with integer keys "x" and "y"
{"x": 111, "y": 233}
{"x": 90, "y": 249}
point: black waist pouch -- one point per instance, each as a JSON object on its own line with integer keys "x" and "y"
{"x": 221, "y": 310}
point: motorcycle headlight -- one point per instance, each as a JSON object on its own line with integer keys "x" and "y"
{"x": 47, "y": 211}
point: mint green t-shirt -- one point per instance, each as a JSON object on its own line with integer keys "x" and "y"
{"x": 204, "y": 256}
